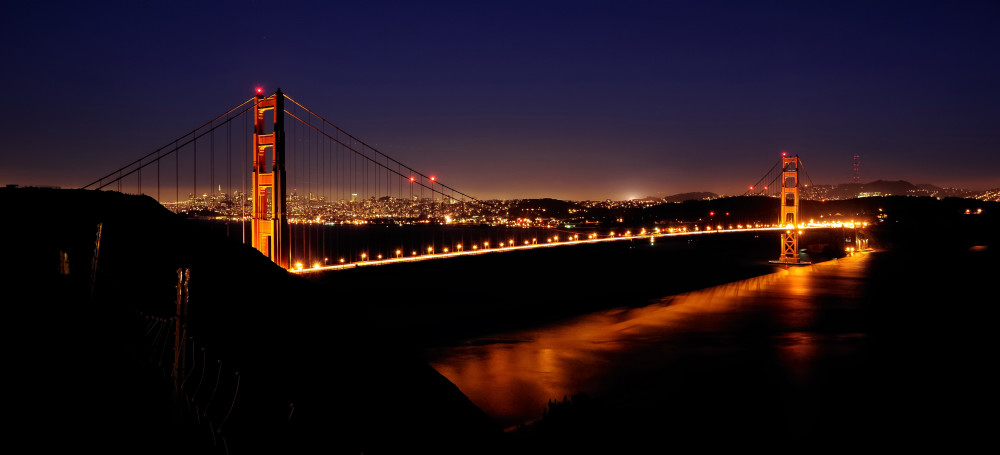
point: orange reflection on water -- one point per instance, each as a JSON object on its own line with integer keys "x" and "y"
{"x": 512, "y": 376}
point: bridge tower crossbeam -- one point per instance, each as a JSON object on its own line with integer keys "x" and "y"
{"x": 269, "y": 222}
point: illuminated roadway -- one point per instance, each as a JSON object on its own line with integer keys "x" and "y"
{"x": 300, "y": 268}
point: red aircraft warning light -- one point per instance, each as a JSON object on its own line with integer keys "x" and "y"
{"x": 412, "y": 178}
{"x": 433, "y": 178}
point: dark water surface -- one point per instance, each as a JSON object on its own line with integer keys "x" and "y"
{"x": 800, "y": 316}
{"x": 832, "y": 353}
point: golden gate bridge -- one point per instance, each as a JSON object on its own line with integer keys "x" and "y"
{"x": 239, "y": 166}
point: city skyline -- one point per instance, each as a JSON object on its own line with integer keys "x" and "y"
{"x": 591, "y": 101}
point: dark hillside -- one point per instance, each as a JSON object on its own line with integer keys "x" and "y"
{"x": 289, "y": 366}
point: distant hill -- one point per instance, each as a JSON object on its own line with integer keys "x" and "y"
{"x": 693, "y": 196}
{"x": 890, "y": 188}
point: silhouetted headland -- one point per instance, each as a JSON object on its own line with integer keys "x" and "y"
{"x": 314, "y": 372}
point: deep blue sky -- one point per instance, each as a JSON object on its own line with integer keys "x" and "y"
{"x": 574, "y": 100}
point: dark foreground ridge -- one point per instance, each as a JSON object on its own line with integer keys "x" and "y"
{"x": 283, "y": 364}
{"x": 277, "y": 365}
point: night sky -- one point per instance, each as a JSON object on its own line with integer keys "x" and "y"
{"x": 573, "y": 100}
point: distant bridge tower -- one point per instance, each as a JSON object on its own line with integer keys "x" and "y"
{"x": 856, "y": 178}
{"x": 790, "y": 211}
{"x": 269, "y": 223}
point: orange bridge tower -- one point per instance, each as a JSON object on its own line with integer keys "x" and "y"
{"x": 269, "y": 223}
{"x": 790, "y": 211}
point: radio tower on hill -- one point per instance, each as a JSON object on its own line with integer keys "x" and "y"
{"x": 857, "y": 169}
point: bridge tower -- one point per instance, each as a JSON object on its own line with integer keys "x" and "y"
{"x": 269, "y": 223}
{"x": 790, "y": 210}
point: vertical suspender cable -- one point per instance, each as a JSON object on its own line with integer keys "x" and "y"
{"x": 229, "y": 174}
{"x": 243, "y": 175}
{"x": 194, "y": 160}
{"x": 177, "y": 178}
{"x": 322, "y": 166}
{"x": 211, "y": 164}
{"x": 306, "y": 226}
{"x": 229, "y": 159}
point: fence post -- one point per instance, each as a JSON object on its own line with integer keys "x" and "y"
{"x": 180, "y": 326}
{"x": 93, "y": 263}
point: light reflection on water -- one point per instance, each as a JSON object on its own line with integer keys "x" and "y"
{"x": 512, "y": 376}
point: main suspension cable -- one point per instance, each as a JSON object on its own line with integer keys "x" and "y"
{"x": 157, "y": 151}
{"x": 376, "y": 151}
